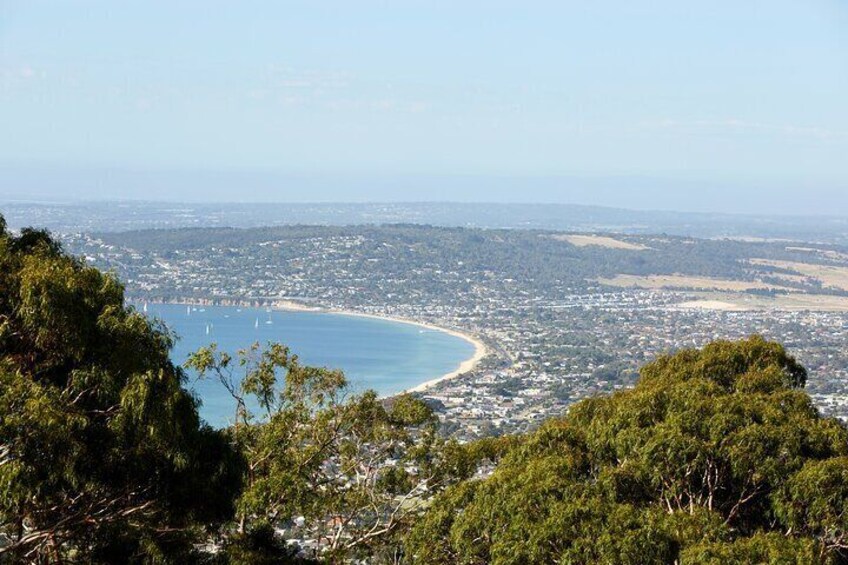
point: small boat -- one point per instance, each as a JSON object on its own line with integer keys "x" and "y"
{"x": 268, "y": 321}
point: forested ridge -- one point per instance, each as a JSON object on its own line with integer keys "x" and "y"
{"x": 716, "y": 455}
{"x": 546, "y": 258}
{"x": 413, "y": 264}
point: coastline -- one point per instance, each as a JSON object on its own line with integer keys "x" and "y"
{"x": 469, "y": 364}
{"x": 480, "y": 349}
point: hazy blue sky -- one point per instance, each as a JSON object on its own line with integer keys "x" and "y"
{"x": 592, "y": 100}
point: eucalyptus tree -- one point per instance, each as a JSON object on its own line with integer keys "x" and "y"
{"x": 102, "y": 455}
{"x": 346, "y": 470}
{"x": 716, "y": 456}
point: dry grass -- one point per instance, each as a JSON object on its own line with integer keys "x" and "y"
{"x": 600, "y": 241}
{"x": 782, "y": 302}
{"x": 711, "y": 305}
{"x": 816, "y": 302}
{"x": 832, "y": 276}
{"x": 686, "y": 282}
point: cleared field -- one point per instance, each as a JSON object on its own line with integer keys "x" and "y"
{"x": 786, "y": 303}
{"x": 712, "y": 305}
{"x": 600, "y": 241}
{"x": 820, "y": 302}
{"x": 687, "y": 282}
{"x": 832, "y": 276}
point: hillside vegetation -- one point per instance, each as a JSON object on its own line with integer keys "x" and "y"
{"x": 103, "y": 458}
{"x": 716, "y": 456}
{"x": 102, "y": 455}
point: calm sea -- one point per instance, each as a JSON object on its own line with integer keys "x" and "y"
{"x": 375, "y": 354}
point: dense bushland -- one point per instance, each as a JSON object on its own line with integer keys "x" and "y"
{"x": 102, "y": 455}
{"x": 716, "y": 456}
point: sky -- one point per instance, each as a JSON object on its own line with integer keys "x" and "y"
{"x": 700, "y": 105}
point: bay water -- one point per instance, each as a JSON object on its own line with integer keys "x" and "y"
{"x": 385, "y": 355}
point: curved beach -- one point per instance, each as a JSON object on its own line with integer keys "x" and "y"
{"x": 480, "y": 350}
{"x": 465, "y": 366}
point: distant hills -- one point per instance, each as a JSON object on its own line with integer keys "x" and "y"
{"x": 112, "y": 216}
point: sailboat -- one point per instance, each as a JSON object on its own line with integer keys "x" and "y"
{"x": 256, "y": 325}
{"x": 144, "y": 308}
{"x": 268, "y": 321}
{"x": 188, "y": 310}
{"x": 207, "y": 329}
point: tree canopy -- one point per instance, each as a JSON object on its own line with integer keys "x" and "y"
{"x": 102, "y": 455}
{"x": 715, "y": 456}
{"x": 347, "y": 471}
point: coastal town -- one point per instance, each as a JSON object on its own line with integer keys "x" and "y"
{"x": 546, "y": 346}
{"x": 423, "y": 283}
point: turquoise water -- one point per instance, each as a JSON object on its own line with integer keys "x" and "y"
{"x": 375, "y": 354}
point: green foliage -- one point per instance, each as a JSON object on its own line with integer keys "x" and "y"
{"x": 410, "y": 253}
{"x": 354, "y": 471}
{"x": 715, "y": 455}
{"x": 102, "y": 455}
{"x": 814, "y": 501}
{"x": 761, "y": 548}
{"x": 314, "y": 450}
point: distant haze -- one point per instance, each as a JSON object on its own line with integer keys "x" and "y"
{"x": 711, "y": 106}
{"x": 785, "y": 197}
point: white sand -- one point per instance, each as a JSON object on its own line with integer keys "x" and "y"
{"x": 464, "y": 367}
{"x": 291, "y": 306}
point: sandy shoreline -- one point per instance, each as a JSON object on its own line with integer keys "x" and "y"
{"x": 480, "y": 350}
